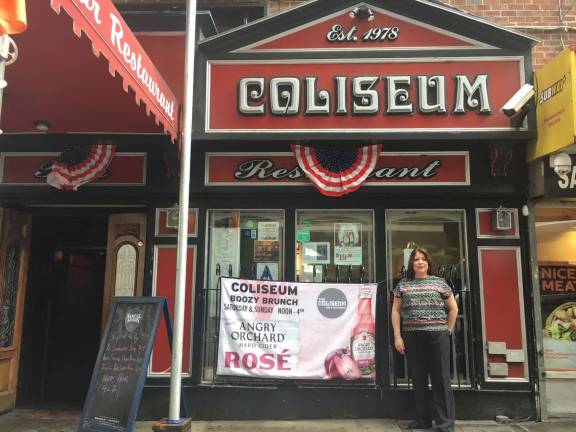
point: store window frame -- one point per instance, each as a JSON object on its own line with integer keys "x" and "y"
{"x": 205, "y": 297}
{"x": 465, "y": 317}
{"x": 371, "y": 277}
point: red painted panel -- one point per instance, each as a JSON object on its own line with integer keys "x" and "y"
{"x": 283, "y": 169}
{"x": 485, "y": 225}
{"x": 410, "y": 35}
{"x": 223, "y": 95}
{"x": 165, "y": 283}
{"x": 162, "y": 229}
{"x": 32, "y": 169}
{"x": 501, "y": 303}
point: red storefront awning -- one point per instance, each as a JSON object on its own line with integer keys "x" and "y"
{"x": 57, "y": 79}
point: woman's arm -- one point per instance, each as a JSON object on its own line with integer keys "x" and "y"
{"x": 395, "y": 318}
{"x": 452, "y": 310}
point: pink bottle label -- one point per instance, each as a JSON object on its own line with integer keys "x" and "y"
{"x": 364, "y": 351}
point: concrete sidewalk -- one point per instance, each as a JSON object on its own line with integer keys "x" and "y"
{"x": 67, "y": 421}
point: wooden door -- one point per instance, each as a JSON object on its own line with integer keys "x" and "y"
{"x": 14, "y": 252}
{"x": 125, "y": 252}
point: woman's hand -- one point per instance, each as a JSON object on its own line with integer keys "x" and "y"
{"x": 399, "y": 344}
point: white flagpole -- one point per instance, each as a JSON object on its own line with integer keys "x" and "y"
{"x": 182, "y": 248}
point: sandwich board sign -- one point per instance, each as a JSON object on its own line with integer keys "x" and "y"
{"x": 119, "y": 374}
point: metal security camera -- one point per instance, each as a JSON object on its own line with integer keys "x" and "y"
{"x": 561, "y": 163}
{"x": 517, "y": 102}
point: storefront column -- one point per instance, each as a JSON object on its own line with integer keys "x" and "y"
{"x": 541, "y": 400}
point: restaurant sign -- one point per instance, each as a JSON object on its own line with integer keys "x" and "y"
{"x": 392, "y": 169}
{"x": 555, "y": 110}
{"x": 360, "y": 95}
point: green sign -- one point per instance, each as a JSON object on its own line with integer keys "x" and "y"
{"x": 303, "y": 236}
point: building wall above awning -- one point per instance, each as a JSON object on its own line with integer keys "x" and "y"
{"x": 57, "y": 78}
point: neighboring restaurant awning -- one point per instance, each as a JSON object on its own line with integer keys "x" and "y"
{"x": 555, "y": 84}
{"x": 57, "y": 79}
{"x": 12, "y": 16}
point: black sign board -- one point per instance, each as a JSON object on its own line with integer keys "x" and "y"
{"x": 118, "y": 378}
{"x": 561, "y": 183}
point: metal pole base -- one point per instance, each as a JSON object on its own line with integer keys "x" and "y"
{"x": 166, "y": 425}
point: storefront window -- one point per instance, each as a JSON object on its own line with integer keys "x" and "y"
{"x": 442, "y": 233}
{"x": 241, "y": 243}
{"x": 334, "y": 246}
{"x": 556, "y": 250}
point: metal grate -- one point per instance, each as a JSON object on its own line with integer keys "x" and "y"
{"x": 10, "y": 295}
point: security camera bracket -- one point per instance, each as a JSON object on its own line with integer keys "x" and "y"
{"x": 517, "y": 119}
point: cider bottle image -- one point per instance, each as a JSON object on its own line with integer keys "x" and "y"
{"x": 363, "y": 342}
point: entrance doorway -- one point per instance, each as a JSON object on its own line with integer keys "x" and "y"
{"x": 62, "y": 315}
{"x": 443, "y": 234}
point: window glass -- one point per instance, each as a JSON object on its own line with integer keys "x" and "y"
{"x": 442, "y": 233}
{"x": 241, "y": 243}
{"x": 556, "y": 252}
{"x": 334, "y": 246}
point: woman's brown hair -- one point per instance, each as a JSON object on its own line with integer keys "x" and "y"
{"x": 410, "y": 268}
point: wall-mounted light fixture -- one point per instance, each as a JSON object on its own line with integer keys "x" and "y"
{"x": 502, "y": 219}
{"x": 362, "y": 12}
{"x": 42, "y": 125}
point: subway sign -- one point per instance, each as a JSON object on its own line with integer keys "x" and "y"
{"x": 361, "y": 95}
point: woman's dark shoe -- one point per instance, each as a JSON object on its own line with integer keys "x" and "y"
{"x": 418, "y": 424}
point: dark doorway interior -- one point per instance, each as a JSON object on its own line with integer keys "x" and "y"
{"x": 62, "y": 315}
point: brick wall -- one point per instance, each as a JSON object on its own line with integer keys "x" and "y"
{"x": 550, "y": 21}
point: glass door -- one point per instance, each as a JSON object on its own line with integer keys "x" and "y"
{"x": 443, "y": 234}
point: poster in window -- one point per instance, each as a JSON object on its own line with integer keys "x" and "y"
{"x": 268, "y": 230}
{"x": 267, "y": 271}
{"x": 266, "y": 251}
{"x": 225, "y": 250}
{"x": 316, "y": 252}
{"x": 348, "y": 243}
{"x": 560, "y": 339}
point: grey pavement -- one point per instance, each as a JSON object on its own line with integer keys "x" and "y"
{"x": 67, "y": 421}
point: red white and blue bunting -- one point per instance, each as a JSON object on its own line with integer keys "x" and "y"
{"x": 80, "y": 164}
{"x": 336, "y": 172}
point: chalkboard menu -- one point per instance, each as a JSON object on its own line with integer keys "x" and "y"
{"x": 120, "y": 371}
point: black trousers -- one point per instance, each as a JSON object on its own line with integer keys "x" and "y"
{"x": 428, "y": 354}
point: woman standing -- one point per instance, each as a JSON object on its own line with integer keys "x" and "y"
{"x": 423, "y": 316}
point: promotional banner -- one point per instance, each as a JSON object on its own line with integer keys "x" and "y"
{"x": 297, "y": 330}
{"x": 560, "y": 337}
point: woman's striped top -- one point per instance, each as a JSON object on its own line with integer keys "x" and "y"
{"x": 423, "y": 306}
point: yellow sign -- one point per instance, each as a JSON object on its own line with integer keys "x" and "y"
{"x": 555, "y": 105}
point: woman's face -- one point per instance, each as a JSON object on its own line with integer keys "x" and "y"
{"x": 420, "y": 265}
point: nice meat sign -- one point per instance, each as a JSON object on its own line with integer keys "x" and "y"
{"x": 297, "y": 331}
